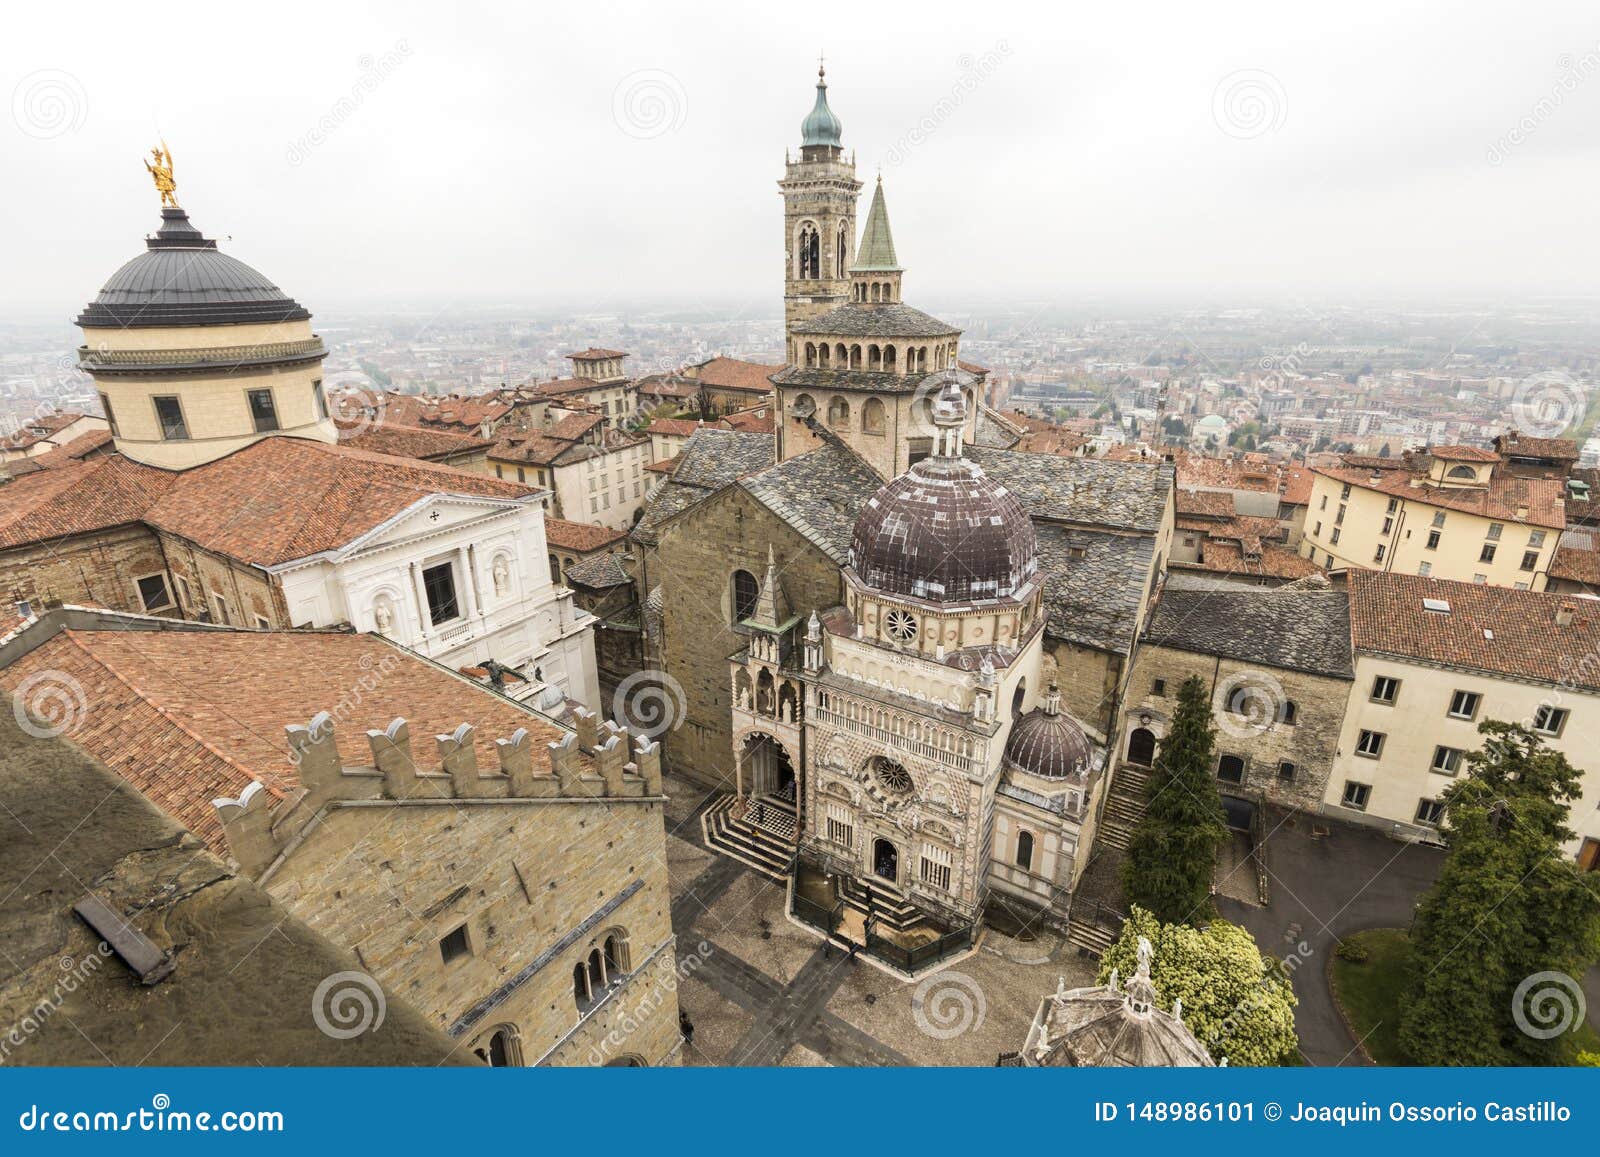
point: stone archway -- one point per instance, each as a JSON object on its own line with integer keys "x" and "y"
{"x": 1142, "y": 746}
{"x": 885, "y": 860}
{"x": 765, "y": 767}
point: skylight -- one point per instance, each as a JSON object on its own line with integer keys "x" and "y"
{"x": 1437, "y": 606}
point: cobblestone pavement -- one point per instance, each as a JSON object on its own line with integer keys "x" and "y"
{"x": 765, "y": 992}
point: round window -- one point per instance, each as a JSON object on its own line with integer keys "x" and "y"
{"x": 901, "y": 625}
{"x": 892, "y": 777}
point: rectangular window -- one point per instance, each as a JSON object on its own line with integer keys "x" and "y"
{"x": 841, "y": 829}
{"x": 1433, "y": 540}
{"x": 1394, "y": 505}
{"x": 1388, "y": 525}
{"x": 1378, "y": 555}
{"x": 1446, "y": 761}
{"x": 1356, "y": 795}
{"x": 1487, "y": 553}
{"x": 1324, "y": 503}
{"x": 321, "y": 399}
{"x": 1316, "y": 530}
{"x": 1536, "y": 539}
{"x": 111, "y": 419}
{"x": 1338, "y": 519}
{"x": 522, "y": 474}
{"x": 219, "y": 610}
{"x": 1384, "y": 689}
{"x": 154, "y": 592}
{"x": 1464, "y": 704}
{"x": 1495, "y": 530}
{"x": 1530, "y": 559}
{"x": 1158, "y": 687}
{"x": 1430, "y": 812}
{"x": 262, "y": 623}
{"x": 1425, "y": 569}
{"x": 1370, "y": 744}
{"x": 169, "y": 416}
{"x": 1334, "y": 537}
{"x": 1481, "y": 579}
{"x": 498, "y": 471}
{"x": 1548, "y": 720}
{"x": 263, "y": 411}
{"x": 936, "y": 867}
{"x": 1344, "y": 492}
{"x": 185, "y": 598}
{"x": 454, "y": 946}
{"x": 439, "y": 582}
{"x": 1286, "y": 772}
{"x": 1438, "y": 518}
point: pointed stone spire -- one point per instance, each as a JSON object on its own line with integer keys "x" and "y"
{"x": 876, "y": 253}
{"x": 772, "y": 605}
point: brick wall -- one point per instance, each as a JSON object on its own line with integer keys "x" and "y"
{"x": 97, "y": 568}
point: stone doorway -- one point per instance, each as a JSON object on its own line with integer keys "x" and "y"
{"x": 885, "y": 860}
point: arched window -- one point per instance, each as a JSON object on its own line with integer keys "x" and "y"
{"x": 597, "y": 971}
{"x": 888, "y": 359}
{"x": 1230, "y": 769}
{"x": 811, "y": 354}
{"x": 875, "y": 292}
{"x": 810, "y": 252}
{"x": 503, "y": 1051}
{"x": 874, "y": 358}
{"x": 1464, "y": 472}
{"x": 616, "y": 953}
{"x": 839, "y": 255}
{"x": 1288, "y": 712}
{"x": 805, "y": 406}
{"x": 746, "y": 593}
{"x": 855, "y": 357}
{"x": 1142, "y": 746}
{"x": 1018, "y": 698}
{"x": 842, "y": 356}
{"x": 874, "y": 418}
{"x": 1025, "y": 850}
{"x": 580, "y": 986}
{"x": 555, "y": 569}
{"x": 838, "y": 411}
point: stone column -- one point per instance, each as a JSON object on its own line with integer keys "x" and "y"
{"x": 469, "y": 583}
{"x": 424, "y": 622}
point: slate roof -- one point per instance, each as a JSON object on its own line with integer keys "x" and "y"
{"x": 870, "y": 381}
{"x": 1093, "y": 598}
{"x": 820, "y": 494}
{"x": 1298, "y": 630}
{"x": 1126, "y": 495}
{"x": 710, "y": 460}
{"x": 1489, "y": 629}
{"x": 601, "y": 572}
{"x": 854, "y": 319}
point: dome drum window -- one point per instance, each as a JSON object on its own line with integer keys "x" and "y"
{"x": 901, "y": 625}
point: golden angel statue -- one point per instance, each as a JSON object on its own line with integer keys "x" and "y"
{"x": 161, "y": 174}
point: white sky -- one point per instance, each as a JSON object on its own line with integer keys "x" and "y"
{"x": 489, "y": 164}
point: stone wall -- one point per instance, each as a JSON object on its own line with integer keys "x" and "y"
{"x": 694, "y": 565}
{"x": 1310, "y": 743}
{"x": 98, "y": 569}
{"x": 250, "y": 594}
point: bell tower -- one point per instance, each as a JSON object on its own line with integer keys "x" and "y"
{"x": 819, "y": 217}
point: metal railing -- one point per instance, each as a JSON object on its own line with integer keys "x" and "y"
{"x": 923, "y": 955}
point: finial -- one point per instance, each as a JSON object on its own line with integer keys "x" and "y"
{"x": 161, "y": 174}
{"x": 822, "y": 71}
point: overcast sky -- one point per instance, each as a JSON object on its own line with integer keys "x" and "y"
{"x": 574, "y": 154}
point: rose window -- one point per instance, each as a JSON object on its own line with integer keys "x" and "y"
{"x": 893, "y": 778}
{"x": 901, "y": 625}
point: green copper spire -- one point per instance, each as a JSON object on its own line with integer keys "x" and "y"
{"x": 821, "y": 127}
{"x": 876, "y": 252}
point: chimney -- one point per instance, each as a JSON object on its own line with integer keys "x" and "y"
{"x": 1564, "y": 615}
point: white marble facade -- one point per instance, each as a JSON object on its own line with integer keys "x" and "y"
{"x": 461, "y": 579}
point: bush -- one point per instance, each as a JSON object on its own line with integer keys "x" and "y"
{"x": 1355, "y": 951}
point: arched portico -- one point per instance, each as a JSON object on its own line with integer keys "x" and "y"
{"x": 763, "y": 766}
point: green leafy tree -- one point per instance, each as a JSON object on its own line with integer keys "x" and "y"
{"x": 1237, "y": 1002}
{"x": 1174, "y": 849}
{"x": 1508, "y": 904}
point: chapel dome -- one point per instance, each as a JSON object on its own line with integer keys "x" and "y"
{"x": 821, "y": 126}
{"x": 945, "y": 532}
{"x": 183, "y": 279}
{"x": 1048, "y": 742}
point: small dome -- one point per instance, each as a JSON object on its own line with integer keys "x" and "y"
{"x": 821, "y": 127}
{"x": 183, "y": 279}
{"x": 1048, "y": 742}
{"x": 945, "y": 532}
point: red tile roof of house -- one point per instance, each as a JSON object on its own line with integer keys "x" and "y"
{"x": 1506, "y": 494}
{"x": 274, "y": 501}
{"x": 673, "y": 427}
{"x": 1222, "y": 556}
{"x": 1205, "y": 503}
{"x": 38, "y": 429}
{"x": 1463, "y": 454}
{"x": 190, "y": 716}
{"x": 757, "y": 421}
{"x": 1519, "y": 445}
{"x": 1491, "y": 629}
{"x": 580, "y": 536}
{"x": 665, "y": 465}
{"x": 400, "y": 441}
{"x": 69, "y": 454}
{"x": 736, "y": 374}
{"x": 593, "y": 354}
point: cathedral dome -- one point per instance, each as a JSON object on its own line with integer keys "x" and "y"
{"x": 945, "y": 532}
{"x": 182, "y": 279}
{"x": 1048, "y": 742}
{"x": 821, "y": 127}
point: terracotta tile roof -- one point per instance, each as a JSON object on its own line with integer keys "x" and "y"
{"x": 1387, "y": 617}
{"x": 593, "y": 354}
{"x": 191, "y": 716}
{"x": 1516, "y": 444}
{"x": 1505, "y": 495}
{"x": 1463, "y": 454}
{"x": 665, "y": 465}
{"x": 38, "y": 429}
{"x": 735, "y": 374}
{"x": 78, "y": 498}
{"x": 972, "y": 367}
{"x": 400, "y": 441}
{"x": 559, "y": 386}
{"x": 757, "y": 421}
{"x": 1576, "y": 559}
{"x": 1205, "y": 503}
{"x": 580, "y": 536}
{"x": 1227, "y": 556}
{"x": 1051, "y": 440}
{"x": 673, "y": 427}
{"x": 73, "y": 452}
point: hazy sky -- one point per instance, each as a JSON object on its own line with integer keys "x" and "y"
{"x": 575, "y": 154}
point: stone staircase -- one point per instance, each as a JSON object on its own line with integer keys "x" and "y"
{"x": 757, "y": 833}
{"x": 1124, "y": 806}
{"x": 881, "y": 900}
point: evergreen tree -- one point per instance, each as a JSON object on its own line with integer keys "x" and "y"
{"x": 1237, "y": 1002}
{"x": 1174, "y": 849}
{"x": 1509, "y": 904}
